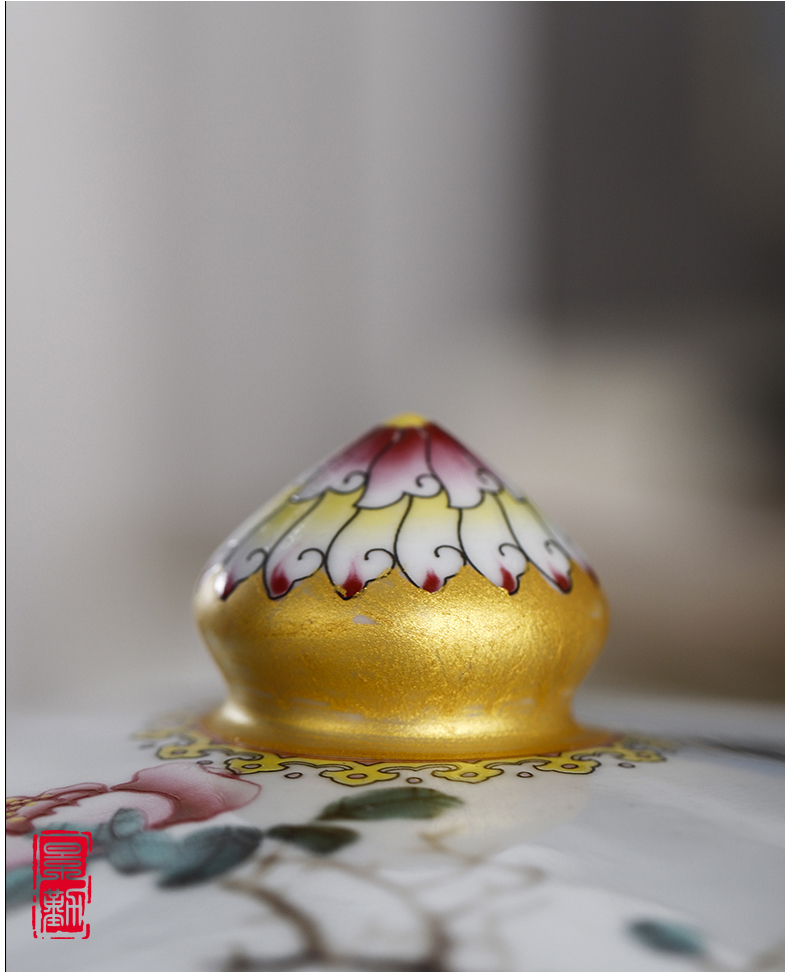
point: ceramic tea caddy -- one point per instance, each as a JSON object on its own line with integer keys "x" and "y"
{"x": 396, "y": 780}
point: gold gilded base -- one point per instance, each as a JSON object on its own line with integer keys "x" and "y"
{"x": 396, "y": 672}
{"x": 470, "y": 671}
{"x": 184, "y": 738}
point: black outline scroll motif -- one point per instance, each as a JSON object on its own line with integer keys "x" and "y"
{"x": 225, "y": 554}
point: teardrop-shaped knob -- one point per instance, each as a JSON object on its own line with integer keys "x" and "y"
{"x": 402, "y": 601}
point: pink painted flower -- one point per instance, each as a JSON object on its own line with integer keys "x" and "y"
{"x": 168, "y": 794}
{"x": 406, "y": 495}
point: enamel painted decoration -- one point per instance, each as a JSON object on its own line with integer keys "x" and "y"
{"x": 396, "y": 781}
{"x": 401, "y": 601}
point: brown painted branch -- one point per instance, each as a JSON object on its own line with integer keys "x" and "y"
{"x": 309, "y": 931}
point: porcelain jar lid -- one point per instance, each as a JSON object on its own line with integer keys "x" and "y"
{"x": 401, "y": 600}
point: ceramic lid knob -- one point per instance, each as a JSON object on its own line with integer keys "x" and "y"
{"x": 402, "y": 601}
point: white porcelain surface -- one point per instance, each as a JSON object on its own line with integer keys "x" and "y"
{"x": 547, "y": 872}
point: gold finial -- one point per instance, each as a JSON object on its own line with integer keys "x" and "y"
{"x": 401, "y": 603}
{"x": 406, "y": 420}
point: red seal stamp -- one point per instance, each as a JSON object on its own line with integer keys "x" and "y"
{"x": 62, "y": 886}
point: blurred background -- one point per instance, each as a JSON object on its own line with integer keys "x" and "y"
{"x": 240, "y": 234}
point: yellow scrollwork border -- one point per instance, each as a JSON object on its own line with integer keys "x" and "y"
{"x": 192, "y": 744}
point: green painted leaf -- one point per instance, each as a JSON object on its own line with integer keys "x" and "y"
{"x": 181, "y": 861}
{"x": 667, "y": 937}
{"x": 320, "y": 839}
{"x": 98, "y": 832}
{"x": 127, "y": 822}
{"x": 206, "y": 854}
{"x": 19, "y": 886}
{"x": 130, "y": 848}
{"x": 143, "y": 852}
{"x": 392, "y": 802}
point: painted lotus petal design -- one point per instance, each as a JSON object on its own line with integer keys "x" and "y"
{"x": 464, "y": 477}
{"x": 574, "y": 551}
{"x": 346, "y": 471}
{"x": 400, "y": 470}
{"x": 249, "y": 553}
{"x": 301, "y": 551}
{"x": 535, "y": 538}
{"x": 364, "y": 548}
{"x": 428, "y": 548}
{"x": 489, "y": 544}
{"x": 406, "y": 497}
{"x": 21, "y": 811}
{"x": 198, "y": 792}
{"x": 164, "y": 795}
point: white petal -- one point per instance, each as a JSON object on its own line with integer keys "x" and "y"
{"x": 245, "y": 551}
{"x": 574, "y": 551}
{"x": 428, "y": 548}
{"x": 365, "y": 547}
{"x": 537, "y": 541}
{"x": 463, "y": 476}
{"x": 347, "y": 470}
{"x": 489, "y": 545}
{"x": 400, "y": 470}
{"x": 301, "y": 551}
{"x": 222, "y": 553}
